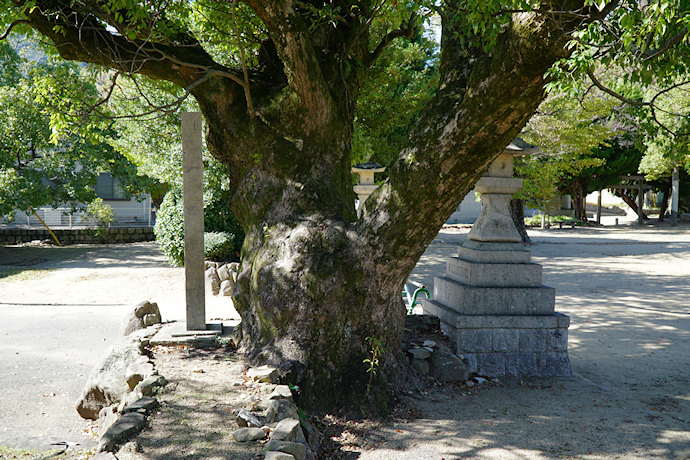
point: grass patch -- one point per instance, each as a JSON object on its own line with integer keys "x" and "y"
{"x": 535, "y": 221}
{"x": 21, "y": 274}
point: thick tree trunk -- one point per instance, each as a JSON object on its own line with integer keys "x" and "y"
{"x": 632, "y": 202}
{"x": 517, "y": 212}
{"x": 579, "y": 204}
{"x": 316, "y": 281}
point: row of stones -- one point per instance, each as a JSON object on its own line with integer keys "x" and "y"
{"x": 222, "y": 277}
{"x": 511, "y": 340}
{"x": 119, "y": 391}
{"x": 82, "y": 236}
{"x": 542, "y": 365}
{"x": 427, "y": 359}
{"x": 290, "y": 436}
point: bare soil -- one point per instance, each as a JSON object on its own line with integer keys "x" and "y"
{"x": 626, "y": 291}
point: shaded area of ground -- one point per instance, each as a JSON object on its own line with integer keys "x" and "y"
{"x": 626, "y": 293}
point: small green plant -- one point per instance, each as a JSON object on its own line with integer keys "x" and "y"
{"x": 375, "y": 351}
{"x": 103, "y": 216}
{"x": 218, "y": 245}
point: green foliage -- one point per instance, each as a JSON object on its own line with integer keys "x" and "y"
{"x": 218, "y": 245}
{"x": 376, "y": 349}
{"x": 45, "y": 160}
{"x": 102, "y": 214}
{"x": 169, "y": 228}
{"x": 223, "y": 235}
{"x": 401, "y": 82}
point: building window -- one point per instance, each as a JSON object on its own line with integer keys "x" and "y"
{"x": 109, "y": 188}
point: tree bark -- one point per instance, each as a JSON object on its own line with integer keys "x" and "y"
{"x": 517, "y": 212}
{"x": 630, "y": 201}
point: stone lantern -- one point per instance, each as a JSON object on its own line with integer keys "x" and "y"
{"x": 366, "y": 185}
{"x": 491, "y": 301}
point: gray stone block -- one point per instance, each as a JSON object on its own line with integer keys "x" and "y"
{"x": 493, "y": 275}
{"x": 521, "y": 365}
{"x": 297, "y": 450}
{"x": 562, "y": 320}
{"x": 532, "y": 340}
{"x": 446, "y": 367}
{"x": 554, "y": 365}
{"x": 471, "y": 360}
{"x": 485, "y": 252}
{"x": 491, "y": 364}
{"x": 126, "y": 428}
{"x": 473, "y": 341}
{"x": 505, "y": 340}
{"x": 557, "y": 339}
{"x": 421, "y": 366}
{"x": 472, "y": 300}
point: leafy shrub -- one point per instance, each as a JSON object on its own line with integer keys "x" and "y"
{"x": 103, "y": 216}
{"x": 218, "y": 245}
{"x": 169, "y": 228}
{"x": 223, "y": 235}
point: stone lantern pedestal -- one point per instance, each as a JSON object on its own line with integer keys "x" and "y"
{"x": 491, "y": 301}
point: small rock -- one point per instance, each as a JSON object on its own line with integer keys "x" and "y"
{"x": 138, "y": 371}
{"x": 446, "y": 367}
{"x": 107, "y": 417}
{"x": 421, "y": 366}
{"x": 213, "y": 277}
{"x": 223, "y": 273}
{"x": 288, "y": 430}
{"x": 150, "y": 319}
{"x": 245, "y": 418}
{"x": 227, "y": 287}
{"x": 279, "y": 410}
{"x": 248, "y": 434}
{"x": 419, "y": 353}
{"x": 264, "y": 374}
{"x": 312, "y": 435}
{"x": 234, "y": 266}
{"x": 281, "y": 392}
{"x": 429, "y": 343}
{"x": 470, "y": 383}
{"x": 480, "y": 380}
{"x": 297, "y": 450}
{"x": 278, "y": 456}
{"x": 149, "y": 384}
{"x": 146, "y": 403}
{"x": 123, "y": 430}
{"x": 267, "y": 388}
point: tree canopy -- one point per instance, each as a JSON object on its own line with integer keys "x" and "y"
{"x": 278, "y": 83}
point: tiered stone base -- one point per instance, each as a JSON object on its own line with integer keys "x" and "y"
{"x": 508, "y": 345}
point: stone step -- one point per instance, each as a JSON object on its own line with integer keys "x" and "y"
{"x": 494, "y": 275}
{"x": 494, "y": 253}
{"x": 473, "y": 300}
{"x": 459, "y": 321}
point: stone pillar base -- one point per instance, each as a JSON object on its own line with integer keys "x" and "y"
{"x": 507, "y": 345}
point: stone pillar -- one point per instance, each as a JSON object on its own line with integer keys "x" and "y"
{"x": 193, "y": 196}
{"x": 491, "y": 301}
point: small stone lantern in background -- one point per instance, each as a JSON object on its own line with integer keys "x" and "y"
{"x": 365, "y": 185}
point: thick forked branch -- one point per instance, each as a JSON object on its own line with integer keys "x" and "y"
{"x": 302, "y": 67}
{"x": 482, "y": 104}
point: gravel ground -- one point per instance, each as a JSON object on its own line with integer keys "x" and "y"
{"x": 625, "y": 289}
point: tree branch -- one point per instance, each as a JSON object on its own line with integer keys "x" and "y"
{"x": 406, "y": 31}
{"x": 611, "y": 92}
{"x": 668, "y": 44}
{"x": 12, "y": 25}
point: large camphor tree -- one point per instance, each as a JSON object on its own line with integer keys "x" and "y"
{"x": 277, "y": 82}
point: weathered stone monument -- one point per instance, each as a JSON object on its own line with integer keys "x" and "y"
{"x": 491, "y": 301}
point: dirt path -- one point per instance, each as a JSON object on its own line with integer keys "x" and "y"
{"x": 625, "y": 289}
